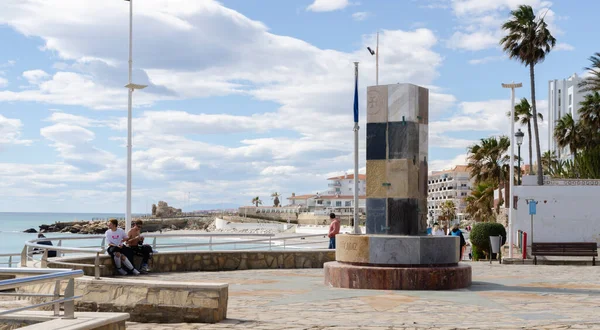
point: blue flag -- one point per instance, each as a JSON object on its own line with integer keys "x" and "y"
{"x": 356, "y": 96}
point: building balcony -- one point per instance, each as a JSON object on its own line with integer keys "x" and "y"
{"x": 335, "y": 184}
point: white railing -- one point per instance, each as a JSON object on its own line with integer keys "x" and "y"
{"x": 39, "y": 276}
{"x": 12, "y": 259}
{"x": 238, "y": 241}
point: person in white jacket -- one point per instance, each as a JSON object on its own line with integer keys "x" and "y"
{"x": 437, "y": 231}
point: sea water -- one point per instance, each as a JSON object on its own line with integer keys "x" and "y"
{"x": 12, "y": 237}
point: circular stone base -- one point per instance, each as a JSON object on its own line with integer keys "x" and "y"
{"x": 341, "y": 275}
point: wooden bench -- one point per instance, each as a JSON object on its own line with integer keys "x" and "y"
{"x": 579, "y": 249}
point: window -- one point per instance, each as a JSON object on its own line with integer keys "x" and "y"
{"x": 570, "y": 99}
{"x": 349, "y": 189}
{"x": 319, "y": 202}
{"x": 338, "y": 203}
{"x": 348, "y": 203}
{"x": 328, "y": 203}
{"x": 337, "y": 190}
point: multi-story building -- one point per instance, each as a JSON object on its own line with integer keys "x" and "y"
{"x": 563, "y": 98}
{"x": 339, "y": 195}
{"x": 454, "y": 185}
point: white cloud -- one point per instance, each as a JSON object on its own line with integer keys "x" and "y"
{"x": 7, "y": 64}
{"x": 35, "y": 77}
{"x": 473, "y": 41}
{"x": 327, "y": 5}
{"x": 360, "y": 16}
{"x": 278, "y": 170}
{"x": 480, "y": 21}
{"x": 3, "y": 82}
{"x": 563, "y": 46}
{"x": 447, "y": 164}
{"x": 485, "y": 60}
{"x": 10, "y": 132}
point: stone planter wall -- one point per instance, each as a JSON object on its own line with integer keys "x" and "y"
{"x": 187, "y": 261}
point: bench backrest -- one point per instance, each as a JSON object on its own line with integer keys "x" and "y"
{"x": 564, "y": 247}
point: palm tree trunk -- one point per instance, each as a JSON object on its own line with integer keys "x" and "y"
{"x": 540, "y": 173}
{"x": 530, "y": 147}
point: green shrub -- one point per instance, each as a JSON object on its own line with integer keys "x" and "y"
{"x": 480, "y": 235}
{"x": 475, "y": 253}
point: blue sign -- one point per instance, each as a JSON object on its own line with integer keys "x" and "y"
{"x": 532, "y": 207}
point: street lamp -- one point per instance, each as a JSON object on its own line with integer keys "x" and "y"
{"x": 519, "y": 135}
{"x": 376, "y": 53}
{"x": 131, "y": 87}
{"x": 512, "y": 166}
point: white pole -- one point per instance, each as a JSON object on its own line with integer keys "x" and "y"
{"x": 511, "y": 171}
{"x": 511, "y": 164}
{"x": 377, "y": 61}
{"x": 356, "y": 215}
{"x": 128, "y": 208}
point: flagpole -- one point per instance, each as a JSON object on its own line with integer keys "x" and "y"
{"x": 356, "y": 215}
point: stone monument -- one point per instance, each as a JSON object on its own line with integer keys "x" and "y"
{"x": 396, "y": 253}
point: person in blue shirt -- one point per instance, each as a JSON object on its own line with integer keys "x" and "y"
{"x": 463, "y": 243}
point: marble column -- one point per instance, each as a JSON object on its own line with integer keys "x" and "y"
{"x": 397, "y": 144}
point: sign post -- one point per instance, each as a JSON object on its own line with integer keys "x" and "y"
{"x": 532, "y": 211}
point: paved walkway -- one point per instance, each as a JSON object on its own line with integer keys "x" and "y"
{"x": 501, "y": 297}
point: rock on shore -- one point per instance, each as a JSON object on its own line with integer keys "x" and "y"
{"x": 150, "y": 225}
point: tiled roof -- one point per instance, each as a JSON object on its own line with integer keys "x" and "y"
{"x": 349, "y": 177}
{"x": 457, "y": 168}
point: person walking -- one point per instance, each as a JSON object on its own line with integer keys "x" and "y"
{"x": 334, "y": 229}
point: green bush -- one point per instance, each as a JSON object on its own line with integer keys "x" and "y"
{"x": 475, "y": 253}
{"x": 480, "y": 235}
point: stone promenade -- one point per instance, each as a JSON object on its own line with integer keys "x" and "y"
{"x": 501, "y": 297}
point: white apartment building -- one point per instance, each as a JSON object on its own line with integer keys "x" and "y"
{"x": 339, "y": 195}
{"x": 454, "y": 185}
{"x": 563, "y": 98}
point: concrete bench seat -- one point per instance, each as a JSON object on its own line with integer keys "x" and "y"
{"x": 148, "y": 300}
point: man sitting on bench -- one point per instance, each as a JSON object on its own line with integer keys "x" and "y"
{"x": 115, "y": 237}
{"x": 135, "y": 242}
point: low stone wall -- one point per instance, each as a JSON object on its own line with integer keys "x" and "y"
{"x": 193, "y": 261}
{"x": 147, "y": 301}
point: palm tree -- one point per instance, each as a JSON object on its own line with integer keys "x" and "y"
{"x": 567, "y": 133}
{"x": 256, "y": 201}
{"x": 488, "y": 162}
{"x": 589, "y": 120}
{"x": 523, "y": 116}
{"x": 592, "y": 83}
{"x": 448, "y": 211}
{"x": 481, "y": 201}
{"x": 549, "y": 161}
{"x": 528, "y": 41}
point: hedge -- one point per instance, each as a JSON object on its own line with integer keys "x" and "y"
{"x": 480, "y": 235}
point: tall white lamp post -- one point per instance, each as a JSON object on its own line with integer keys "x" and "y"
{"x": 512, "y": 87}
{"x": 131, "y": 87}
{"x": 376, "y": 53}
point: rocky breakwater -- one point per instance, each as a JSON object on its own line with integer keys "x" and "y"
{"x": 150, "y": 225}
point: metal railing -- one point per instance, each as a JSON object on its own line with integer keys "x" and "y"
{"x": 12, "y": 259}
{"x": 40, "y": 276}
{"x": 251, "y": 242}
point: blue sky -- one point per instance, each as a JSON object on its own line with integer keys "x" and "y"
{"x": 246, "y": 97}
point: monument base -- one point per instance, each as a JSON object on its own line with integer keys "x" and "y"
{"x": 395, "y": 262}
{"x": 343, "y": 275}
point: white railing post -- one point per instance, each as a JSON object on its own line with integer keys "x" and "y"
{"x": 9, "y": 261}
{"x": 97, "y": 266}
{"x": 24, "y": 257}
{"x": 154, "y": 244}
{"x": 210, "y": 243}
{"x": 59, "y": 253}
{"x": 70, "y": 305}
{"x": 103, "y": 242}
{"x": 45, "y": 259}
{"x": 56, "y": 297}
{"x": 269, "y": 243}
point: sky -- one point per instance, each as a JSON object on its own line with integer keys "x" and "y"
{"x": 244, "y": 97}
